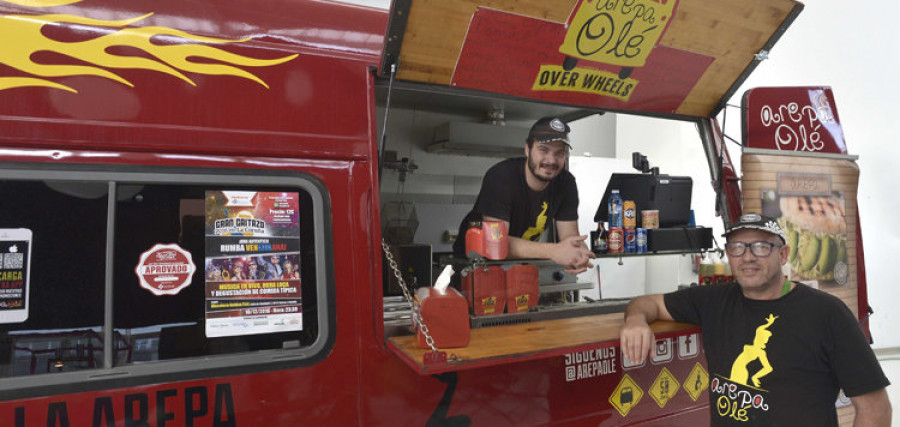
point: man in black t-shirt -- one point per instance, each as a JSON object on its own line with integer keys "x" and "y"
{"x": 528, "y": 193}
{"x": 778, "y": 352}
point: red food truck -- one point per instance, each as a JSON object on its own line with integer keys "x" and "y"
{"x": 191, "y": 223}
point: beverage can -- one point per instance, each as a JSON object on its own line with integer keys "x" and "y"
{"x": 616, "y": 240}
{"x": 641, "y": 240}
{"x": 630, "y": 241}
{"x": 650, "y": 219}
{"x": 629, "y": 214}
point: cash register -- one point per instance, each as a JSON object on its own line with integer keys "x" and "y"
{"x": 670, "y": 195}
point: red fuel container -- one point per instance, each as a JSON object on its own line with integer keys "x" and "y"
{"x": 488, "y": 240}
{"x": 474, "y": 242}
{"x": 446, "y": 317}
{"x": 496, "y": 241}
{"x": 522, "y": 289}
{"x": 485, "y": 290}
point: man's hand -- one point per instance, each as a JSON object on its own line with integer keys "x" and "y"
{"x": 573, "y": 254}
{"x": 636, "y": 339}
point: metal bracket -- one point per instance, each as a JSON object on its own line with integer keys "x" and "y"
{"x": 434, "y": 358}
{"x": 403, "y": 165}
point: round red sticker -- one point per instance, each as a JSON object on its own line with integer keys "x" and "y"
{"x": 165, "y": 269}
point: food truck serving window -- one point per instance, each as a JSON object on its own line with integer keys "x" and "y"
{"x": 145, "y": 271}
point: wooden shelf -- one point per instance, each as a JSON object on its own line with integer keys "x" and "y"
{"x": 528, "y": 341}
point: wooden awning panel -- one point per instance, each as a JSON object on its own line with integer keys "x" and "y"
{"x": 673, "y": 57}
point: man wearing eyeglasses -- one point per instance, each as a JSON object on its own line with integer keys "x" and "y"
{"x": 778, "y": 352}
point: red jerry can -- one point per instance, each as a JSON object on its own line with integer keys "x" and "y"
{"x": 485, "y": 289}
{"x": 445, "y": 315}
{"x": 522, "y": 289}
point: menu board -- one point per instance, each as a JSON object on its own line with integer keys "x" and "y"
{"x": 814, "y": 200}
{"x": 252, "y": 263}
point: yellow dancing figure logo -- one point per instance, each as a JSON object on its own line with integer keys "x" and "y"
{"x": 755, "y": 351}
{"x": 539, "y": 224}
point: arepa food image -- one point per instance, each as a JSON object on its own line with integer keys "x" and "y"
{"x": 816, "y": 232}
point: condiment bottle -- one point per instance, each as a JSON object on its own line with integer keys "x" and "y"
{"x": 707, "y": 272}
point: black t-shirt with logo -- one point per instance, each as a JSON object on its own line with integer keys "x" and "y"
{"x": 780, "y": 362}
{"x": 505, "y": 195}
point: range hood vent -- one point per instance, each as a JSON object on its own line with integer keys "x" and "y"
{"x": 478, "y": 139}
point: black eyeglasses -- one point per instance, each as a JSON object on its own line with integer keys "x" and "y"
{"x": 760, "y": 249}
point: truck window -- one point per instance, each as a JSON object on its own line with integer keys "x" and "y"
{"x": 437, "y": 155}
{"x": 90, "y": 309}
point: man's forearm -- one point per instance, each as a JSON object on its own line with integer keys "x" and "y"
{"x": 872, "y": 409}
{"x": 526, "y": 249}
{"x": 882, "y": 419}
{"x": 642, "y": 307}
{"x": 636, "y": 336}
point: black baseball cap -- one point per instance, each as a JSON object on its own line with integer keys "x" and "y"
{"x": 550, "y": 129}
{"x": 757, "y": 222}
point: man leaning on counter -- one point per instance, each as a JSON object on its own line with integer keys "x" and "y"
{"x": 778, "y": 351}
{"x": 527, "y": 193}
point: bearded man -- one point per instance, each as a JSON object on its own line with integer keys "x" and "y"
{"x": 528, "y": 194}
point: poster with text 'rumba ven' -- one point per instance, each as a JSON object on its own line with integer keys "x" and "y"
{"x": 252, "y": 263}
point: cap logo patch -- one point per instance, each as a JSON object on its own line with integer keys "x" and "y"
{"x": 558, "y": 125}
{"x": 757, "y": 221}
{"x": 774, "y": 228}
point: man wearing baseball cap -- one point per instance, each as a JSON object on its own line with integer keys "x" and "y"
{"x": 778, "y": 351}
{"x": 527, "y": 193}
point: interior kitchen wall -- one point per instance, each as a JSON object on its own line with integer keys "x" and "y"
{"x": 443, "y": 186}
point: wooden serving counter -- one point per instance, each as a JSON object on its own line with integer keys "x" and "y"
{"x": 527, "y": 341}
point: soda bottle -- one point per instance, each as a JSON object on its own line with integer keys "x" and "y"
{"x": 707, "y": 272}
{"x": 599, "y": 240}
{"x": 614, "y": 209}
{"x": 718, "y": 268}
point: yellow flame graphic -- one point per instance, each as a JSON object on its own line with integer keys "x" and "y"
{"x": 41, "y": 3}
{"x": 169, "y": 59}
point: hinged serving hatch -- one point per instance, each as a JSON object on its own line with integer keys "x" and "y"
{"x": 673, "y": 58}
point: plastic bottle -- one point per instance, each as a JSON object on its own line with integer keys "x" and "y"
{"x": 706, "y": 272}
{"x": 718, "y": 268}
{"x": 614, "y": 209}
